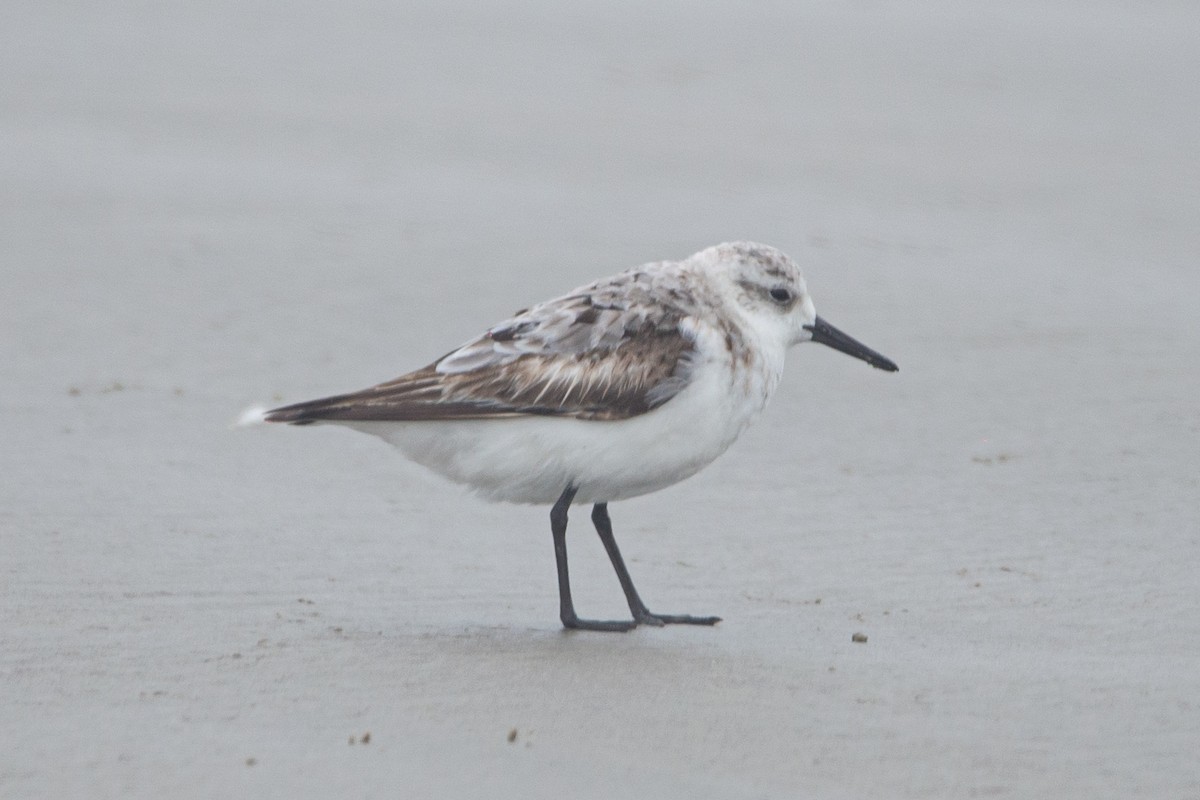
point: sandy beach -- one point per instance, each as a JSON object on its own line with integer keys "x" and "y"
{"x": 210, "y": 207}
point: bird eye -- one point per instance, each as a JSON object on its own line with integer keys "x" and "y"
{"x": 781, "y": 295}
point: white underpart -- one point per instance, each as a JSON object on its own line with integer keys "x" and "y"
{"x": 532, "y": 459}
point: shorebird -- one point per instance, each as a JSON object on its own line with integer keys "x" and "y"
{"x": 616, "y": 389}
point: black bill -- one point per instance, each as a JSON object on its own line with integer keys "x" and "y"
{"x": 824, "y": 333}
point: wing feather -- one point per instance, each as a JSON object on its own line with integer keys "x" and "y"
{"x": 605, "y": 352}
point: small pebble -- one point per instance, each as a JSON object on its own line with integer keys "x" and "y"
{"x": 859, "y": 637}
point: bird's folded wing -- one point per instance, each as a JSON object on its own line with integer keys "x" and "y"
{"x": 572, "y": 357}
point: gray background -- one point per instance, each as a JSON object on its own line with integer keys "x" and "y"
{"x": 210, "y": 206}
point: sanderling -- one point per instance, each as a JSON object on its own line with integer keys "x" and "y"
{"x": 619, "y": 388}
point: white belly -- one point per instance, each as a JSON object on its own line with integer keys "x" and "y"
{"x": 533, "y": 459}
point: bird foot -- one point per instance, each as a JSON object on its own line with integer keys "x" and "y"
{"x": 645, "y": 618}
{"x": 573, "y": 622}
{"x": 659, "y": 620}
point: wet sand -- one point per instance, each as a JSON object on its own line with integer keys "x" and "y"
{"x": 209, "y": 208}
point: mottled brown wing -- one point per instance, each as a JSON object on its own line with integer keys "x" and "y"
{"x": 571, "y": 357}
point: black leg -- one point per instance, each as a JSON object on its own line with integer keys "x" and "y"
{"x": 566, "y": 608}
{"x": 641, "y": 614}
